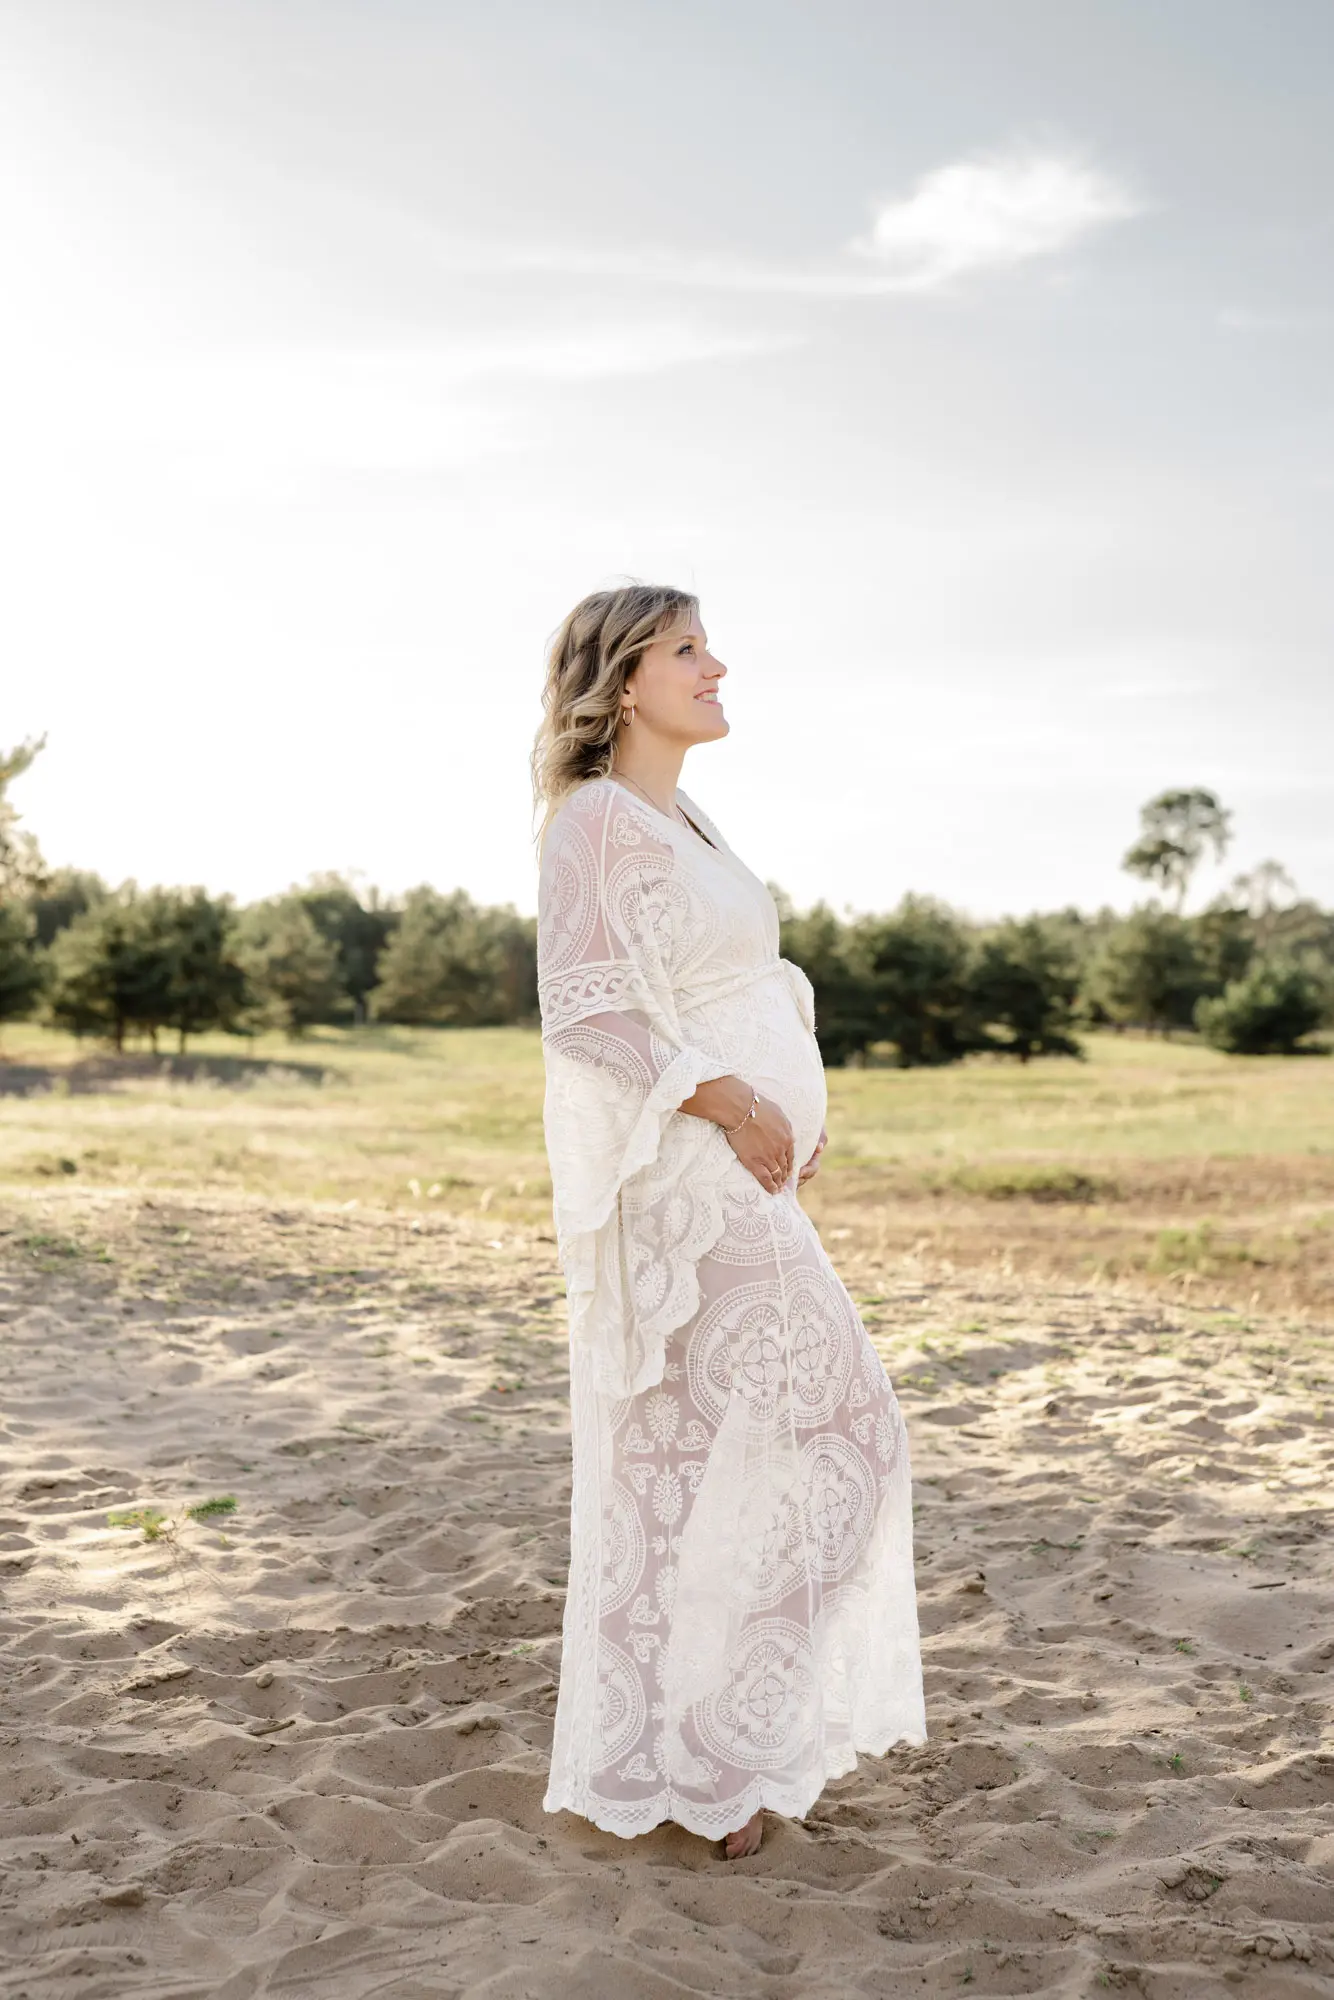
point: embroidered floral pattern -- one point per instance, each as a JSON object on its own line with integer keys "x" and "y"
{"x": 741, "y": 1617}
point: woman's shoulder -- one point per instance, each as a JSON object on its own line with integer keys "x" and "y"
{"x": 599, "y": 805}
{"x": 592, "y": 798}
{"x": 584, "y": 808}
{"x": 593, "y": 825}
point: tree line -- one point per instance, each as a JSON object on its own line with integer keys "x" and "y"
{"x": 125, "y": 962}
{"x": 1253, "y": 972}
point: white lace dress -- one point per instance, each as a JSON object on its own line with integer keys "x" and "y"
{"x": 741, "y": 1618}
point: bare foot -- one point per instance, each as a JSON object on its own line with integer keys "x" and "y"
{"x": 745, "y": 1839}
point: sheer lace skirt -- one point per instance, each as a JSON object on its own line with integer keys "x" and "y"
{"x": 741, "y": 1618}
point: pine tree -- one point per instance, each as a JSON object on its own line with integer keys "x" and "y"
{"x": 1024, "y": 981}
{"x": 292, "y": 971}
{"x": 1175, "y": 829}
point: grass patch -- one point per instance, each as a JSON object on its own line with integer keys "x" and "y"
{"x": 40, "y": 1244}
{"x": 1019, "y": 1182}
{"x": 1200, "y": 1249}
{"x": 155, "y": 1524}
{"x": 1162, "y": 1164}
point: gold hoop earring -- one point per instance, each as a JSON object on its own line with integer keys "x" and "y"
{"x": 627, "y": 716}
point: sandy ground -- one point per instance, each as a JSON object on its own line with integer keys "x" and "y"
{"x": 301, "y": 1748}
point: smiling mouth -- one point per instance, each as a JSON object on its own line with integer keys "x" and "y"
{"x": 708, "y": 694}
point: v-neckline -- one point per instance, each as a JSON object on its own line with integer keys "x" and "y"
{"x": 699, "y": 830}
{"x": 667, "y": 816}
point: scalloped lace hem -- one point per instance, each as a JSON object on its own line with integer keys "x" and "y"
{"x": 682, "y": 1262}
{"x": 620, "y": 1371}
{"x": 643, "y": 1142}
{"x": 713, "y": 1822}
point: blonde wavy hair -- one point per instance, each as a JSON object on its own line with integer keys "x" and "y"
{"x": 589, "y": 659}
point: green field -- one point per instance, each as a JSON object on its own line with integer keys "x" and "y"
{"x": 1162, "y": 1161}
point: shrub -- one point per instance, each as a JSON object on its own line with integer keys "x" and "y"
{"x": 1015, "y": 1182}
{"x": 1266, "y": 1013}
{"x": 916, "y": 966}
{"x": 137, "y": 962}
{"x": 1024, "y": 982}
{"x": 1147, "y": 972}
{"x": 291, "y": 969}
{"x": 451, "y": 963}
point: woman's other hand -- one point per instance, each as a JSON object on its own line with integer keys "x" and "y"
{"x": 812, "y": 1166}
{"x": 765, "y": 1145}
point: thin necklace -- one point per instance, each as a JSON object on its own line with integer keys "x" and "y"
{"x": 626, "y": 779}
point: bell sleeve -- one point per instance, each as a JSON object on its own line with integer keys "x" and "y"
{"x": 635, "y": 1183}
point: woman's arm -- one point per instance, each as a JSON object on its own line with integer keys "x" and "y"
{"x": 605, "y": 917}
{"x": 763, "y": 1143}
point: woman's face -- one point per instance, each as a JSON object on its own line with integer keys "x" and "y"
{"x": 674, "y": 687}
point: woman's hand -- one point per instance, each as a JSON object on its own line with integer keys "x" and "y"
{"x": 812, "y": 1166}
{"x": 765, "y": 1145}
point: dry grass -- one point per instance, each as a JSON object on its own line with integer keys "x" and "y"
{"x": 1160, "y": 1167}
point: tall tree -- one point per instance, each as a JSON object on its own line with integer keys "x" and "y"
{"x": 208, "y": 983}
{"x": 112, "y": 969}
{"x": 916, "y": 963}
{"x": 357, "y": 930}
{"x": 21, "y": 864}
{"x": 1266, "y": 891}
{"x": 1175, "y": 830}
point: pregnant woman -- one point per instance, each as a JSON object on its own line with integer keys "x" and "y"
{"x": 741, "y": 1618}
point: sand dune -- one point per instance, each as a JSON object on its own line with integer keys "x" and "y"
{"x": 301, "y": 1748}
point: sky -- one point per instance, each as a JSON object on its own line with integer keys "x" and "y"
{"x": 973, "y": 363}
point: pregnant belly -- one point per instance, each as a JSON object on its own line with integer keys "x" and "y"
{"x": 764, "y": 1037}
{"x": 793, "y": 1076}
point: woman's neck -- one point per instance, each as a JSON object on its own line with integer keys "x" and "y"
{"x": 653, "y": 765}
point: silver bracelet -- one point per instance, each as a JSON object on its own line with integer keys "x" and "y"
{"x": 730, "y": 1132}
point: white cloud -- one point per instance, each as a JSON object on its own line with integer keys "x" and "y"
{"x": 988, "y": 212}
{"x": 985, "y": 212}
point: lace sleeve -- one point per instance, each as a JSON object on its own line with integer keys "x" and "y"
{"x": 634, "y": 1183}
